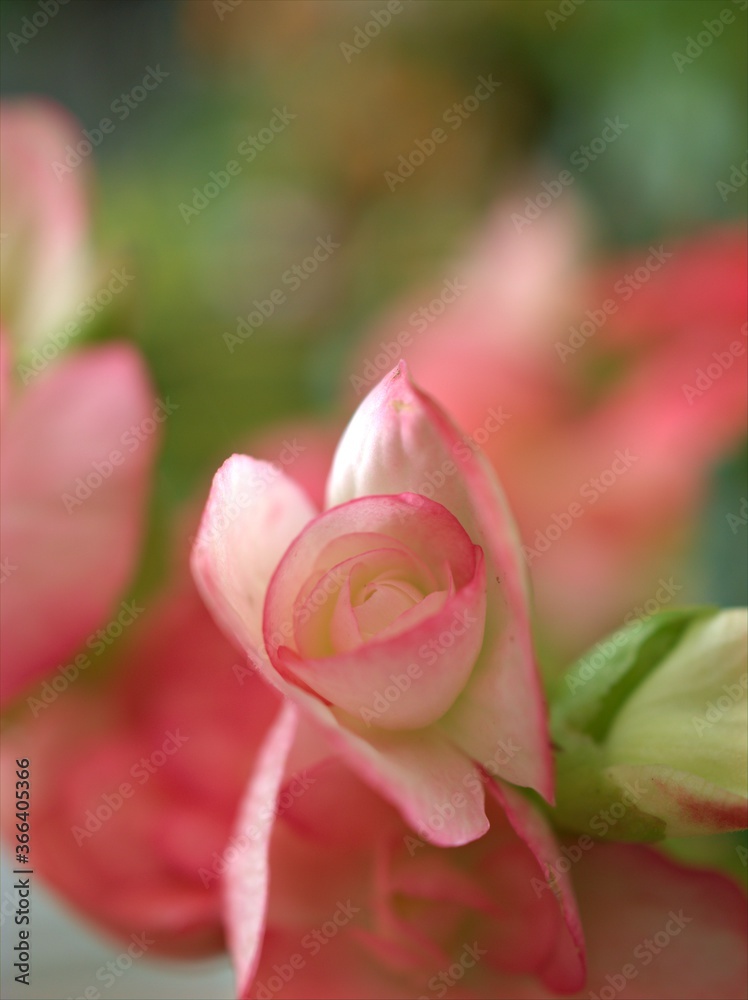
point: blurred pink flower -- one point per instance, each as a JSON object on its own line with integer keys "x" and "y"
{"x": 603, "y": 422}
{"x": 78, "y": 445}
{"x": 358, "y": 612}
{"x": 137, "y": 775}
{"x": 330, "y": 895}
{"x": 79, "y": 434}
{"x": 44, "y": 220}
{"x": 178, "y": 798}
{"x": 178, "y": 718}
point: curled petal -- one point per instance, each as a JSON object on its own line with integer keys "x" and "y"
{"x": 400, "y": 441}
{"x": 253, "y": 513}
{"x": 247, "y": 877}
{"x": 391, "y": 682}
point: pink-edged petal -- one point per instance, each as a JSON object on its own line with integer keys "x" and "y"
{"x": 244, "y": 530}
{"x": 435, "y": 787}
{"x": 323, "y": 871}
{"x": 363, "y": 818}
{"x": 564, "y": 966}
{"x": 253, "y": 514}
{"x": 89, "y": 419}
{"x": 247, "y": 877}
{"x": 327, "y": 620}
{"x": 660, "y": 931}
{"x": 399, "y": 441}
{"x": 387, "y": 683}
{"x": 414, "y": 523}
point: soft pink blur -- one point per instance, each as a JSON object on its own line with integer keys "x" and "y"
{"x": 44, "y": 219}
{"x": 186, "y": 861}
{"x": 552, "y": 420}
{"x": 338, "y": 898}
{"x": 78, "y": 433}
{"x": 155, "y": 865}
{"x": 180, "y": 723}
{"x": 70, "y": 550}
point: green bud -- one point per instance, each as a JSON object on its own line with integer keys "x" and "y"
{"x": 652, "y": 729}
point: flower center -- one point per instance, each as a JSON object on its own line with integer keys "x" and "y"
{"x": 379, "y": 602}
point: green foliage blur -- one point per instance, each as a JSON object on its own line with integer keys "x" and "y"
{"x": 232, "y": 66}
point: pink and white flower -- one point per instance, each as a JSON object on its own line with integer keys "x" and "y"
{"x": 330, "y": 895}
{"x": 398, "y": 616}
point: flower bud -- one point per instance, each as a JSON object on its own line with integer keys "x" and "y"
{"x": 652, "y": 730}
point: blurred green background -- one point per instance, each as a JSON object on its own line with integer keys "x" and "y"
{"x": 232, "y": 66}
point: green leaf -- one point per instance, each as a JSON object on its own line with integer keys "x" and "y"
{"x": 651, "y": 731}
